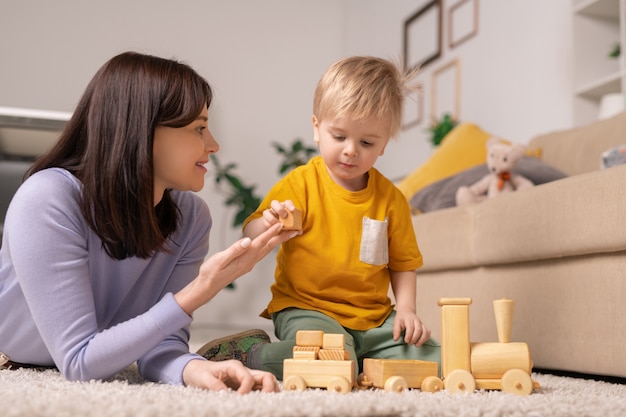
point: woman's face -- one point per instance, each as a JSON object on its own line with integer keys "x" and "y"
{"x": 180, "y": 155}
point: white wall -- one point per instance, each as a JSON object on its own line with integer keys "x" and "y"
{"x": 516, "y": 74}
{"x": 263, "y": 59}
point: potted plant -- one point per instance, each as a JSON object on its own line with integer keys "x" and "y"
{"x": 298, "y": 154}
{"x": 440, "y": 128}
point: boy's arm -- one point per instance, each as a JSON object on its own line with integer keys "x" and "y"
{"x": 403, "y": 285}
{"x": 254, "y": 228}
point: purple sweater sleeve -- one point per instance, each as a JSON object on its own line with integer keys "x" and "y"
{"x": 74, "y": 306}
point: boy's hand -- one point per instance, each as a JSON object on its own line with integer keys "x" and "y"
{"x": 415, "y": 332}
{"x": 277, "y": 210}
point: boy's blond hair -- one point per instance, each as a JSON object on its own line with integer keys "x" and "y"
{"x": 362, "y": 87}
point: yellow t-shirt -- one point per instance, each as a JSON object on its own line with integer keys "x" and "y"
{"x": 340, "y": 264}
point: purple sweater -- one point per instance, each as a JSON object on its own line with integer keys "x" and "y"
{"x": 65, "y": 302}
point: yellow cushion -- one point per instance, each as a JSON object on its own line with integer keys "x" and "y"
{"x": 464, "y": 147}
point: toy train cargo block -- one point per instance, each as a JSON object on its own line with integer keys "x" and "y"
{"x": 395, "y": 375}
{"x": 310, "y": 338}
{"x": 306, "y": 352}
{"x": 333, "y": 347}
{"x": 334, "y": 341}
{"x": 333, "y": 354}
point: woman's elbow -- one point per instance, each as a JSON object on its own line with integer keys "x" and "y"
{"x": 83, "y": 374}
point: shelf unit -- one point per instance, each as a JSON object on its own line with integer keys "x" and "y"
{"x": 27, "y": 133}
{"x": 598, "y": 25}
{"x": 24, "y": 134}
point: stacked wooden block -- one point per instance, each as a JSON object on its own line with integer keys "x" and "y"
{"x": 315, "y": 344}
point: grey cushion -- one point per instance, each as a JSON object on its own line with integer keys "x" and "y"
{"x": 441, "y": 194}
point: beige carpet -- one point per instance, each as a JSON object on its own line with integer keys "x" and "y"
{"x": 31, "y": 394}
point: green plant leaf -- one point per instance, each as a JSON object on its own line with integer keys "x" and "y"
{"x": 440, "y": 128}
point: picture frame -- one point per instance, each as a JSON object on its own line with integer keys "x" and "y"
{"x": 446, "y": 87}
{"x": 462, "y": 22}
{"x": 413, "y": 113}
{"x": 422, "y": 36}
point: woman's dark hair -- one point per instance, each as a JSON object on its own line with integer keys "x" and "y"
{"x": 108, "y": 143}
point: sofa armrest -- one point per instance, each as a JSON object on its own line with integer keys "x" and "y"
{"x": 579, "y": 150}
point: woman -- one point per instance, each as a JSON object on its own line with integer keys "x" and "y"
{"x": 102, "y": 259}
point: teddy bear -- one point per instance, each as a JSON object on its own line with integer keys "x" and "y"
{"x": 501, "y": 158}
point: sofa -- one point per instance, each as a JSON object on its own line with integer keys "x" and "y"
{"x": 558, "y": 249}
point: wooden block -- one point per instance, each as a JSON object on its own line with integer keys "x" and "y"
{"x": 455, "y": 338}
{"x": 318, "y": 373}
{"x": 293, "y": 221}
{"x": 310, "y": 338}
{"x": 334, "y": 341}
{"x": 454, "y": 301}
{"x": 306, "y": 352}
{"x": 491, "y": 384}
{"x": 332, "y": 354}
{"x": 503, "y": 309}
{"x": 492, "y": 360}
{"x": 413, "y": 371}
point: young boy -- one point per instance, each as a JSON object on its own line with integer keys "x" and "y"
{"x": 357, "y": 236}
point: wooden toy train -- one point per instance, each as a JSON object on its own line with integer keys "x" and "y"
{"x": 467, "y": 366}
{"x": 320, "y": 360}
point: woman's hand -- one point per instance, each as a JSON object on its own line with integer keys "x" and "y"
{"x": 226, "y": 266}
{"x": 219, "y": 376}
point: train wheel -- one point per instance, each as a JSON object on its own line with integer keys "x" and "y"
{"x": 363, "y": 382}
{"x": 431, "y": 384}
{"x": 395, "y": 384}
{"x": 294, "y": 383}
{"x": 339, "y": 384}
{"x": 517, "y": 381}
{"x": 461, "y": 381}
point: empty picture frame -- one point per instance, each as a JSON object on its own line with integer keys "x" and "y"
{"x": 422, "y": 36}
{"x": 413, "y": 110}
{"x": 462, "y": 22}
{"x": 446, "y": 87}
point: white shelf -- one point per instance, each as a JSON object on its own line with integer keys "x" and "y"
{"x": 604, "y": 9}
{"x": 33, "y": 118}
{"x": 597, "y": 24}
{"x": 612, "y": 83}
{"x": 27, "y": 133}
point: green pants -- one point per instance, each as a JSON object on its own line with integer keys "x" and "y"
{"x": 374, "y": 343}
